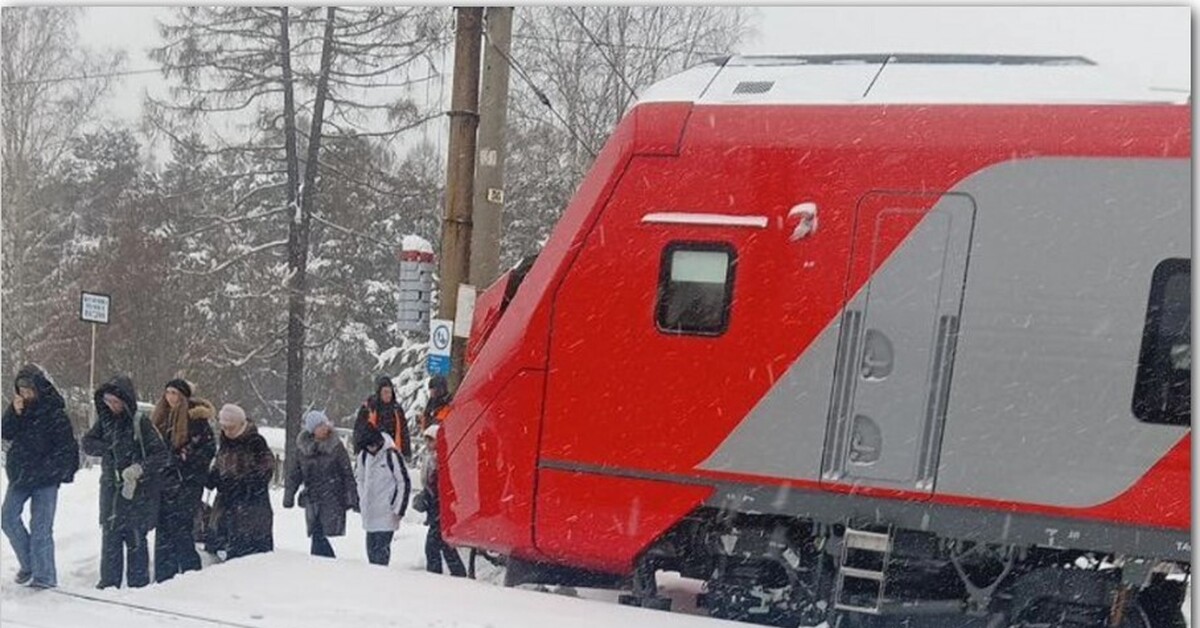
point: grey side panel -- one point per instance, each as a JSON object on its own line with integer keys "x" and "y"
{"x": 783, "y": 435}
{"x": 1047, "y": 342}
{"x": 1052, "y": 321}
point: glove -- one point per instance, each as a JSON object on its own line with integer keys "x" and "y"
{"x": 129, "y": 480}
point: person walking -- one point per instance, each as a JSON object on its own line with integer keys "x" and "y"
{"x": 183, "y": 423}
{"x": 383, "y": 489}
{"x": 132, "y": 458}
{"x": 382, "y": 412}
{"x": 42, "y": 455}
{"x": 428, "y": 502}
{"x": 322, "y": 466}
{"x": 241, "y": 475}
{"x": 438, "y": 405}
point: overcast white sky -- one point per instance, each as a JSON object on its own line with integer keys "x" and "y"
{"x": 1151, "y": 45}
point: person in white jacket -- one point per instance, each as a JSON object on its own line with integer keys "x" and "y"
{"x": 383, "y": 489}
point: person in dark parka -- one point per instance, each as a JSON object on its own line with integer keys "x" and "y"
{"x": 132, "y": 458}
{"x": 183, "y": 422}
{"x": 439, "y": 399}
{"x": 382, "y": 412}
{"x": 42, "y": 454}
{"x": 429, "y": 502}
{"x": 241, "y": 475}
{"x": 322, "y": 466}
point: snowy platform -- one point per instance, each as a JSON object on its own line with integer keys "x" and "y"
{"x": 290, "y": 589}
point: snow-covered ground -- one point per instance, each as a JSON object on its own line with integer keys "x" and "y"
{"x": 290, "y": 589}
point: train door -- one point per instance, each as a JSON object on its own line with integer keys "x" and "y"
{"x": 896, "y": 346}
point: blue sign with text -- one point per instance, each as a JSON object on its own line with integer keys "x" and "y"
{"x": 439, "y": 365}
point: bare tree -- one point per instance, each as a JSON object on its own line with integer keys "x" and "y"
{"x": 579, "y": 69}
{"x": 259, "y": 75}
{"x": 50, "y": 90}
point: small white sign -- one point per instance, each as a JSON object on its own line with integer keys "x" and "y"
{"x": 93, "y": 307}
{"x": 465, "y": 311}
{"x": 495, "y": 195}
{"x": 440, "y": 332}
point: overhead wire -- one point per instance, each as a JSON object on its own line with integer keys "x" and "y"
{"x": 611, "y": 63}
{"x": 541, "y": 96}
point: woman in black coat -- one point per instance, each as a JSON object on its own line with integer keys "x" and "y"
{"x": 42, "y": 454}
{"x": 241, "y": 475}
{"x": 183, "y": 422}
{"x": 322, "y": 466}
{"x": 132, "y": 458}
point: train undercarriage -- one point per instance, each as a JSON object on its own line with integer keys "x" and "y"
{"x": 778, "y": 571}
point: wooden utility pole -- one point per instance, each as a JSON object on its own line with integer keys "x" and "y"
{"x": 460, "y": 173}
{"x": 489, "y": 167}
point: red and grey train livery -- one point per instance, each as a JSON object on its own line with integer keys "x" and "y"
{"x": 859, "y": 338}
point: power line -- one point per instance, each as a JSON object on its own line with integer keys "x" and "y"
{"x": 87, "y": 77}
{"x": 600, "y": 42}
{"x": 611, "y": 63}
{"x": 188, "y": 66}
{"x": 595, "y": 41}
{"x": 539, "y": 93}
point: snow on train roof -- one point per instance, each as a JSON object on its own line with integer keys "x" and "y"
{"x": 903, "y": 79}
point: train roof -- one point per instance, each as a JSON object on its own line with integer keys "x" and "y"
{"x": 877, "y": 78}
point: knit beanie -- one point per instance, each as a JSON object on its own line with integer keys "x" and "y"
{"x": 232, "y": 415}
{"x": 181, "y": 385}
{"x": 313, "y": 419}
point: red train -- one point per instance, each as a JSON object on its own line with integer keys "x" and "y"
{"x": 860, "y": 338}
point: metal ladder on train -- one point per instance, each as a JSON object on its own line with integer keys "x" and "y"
{"x": 864, "y": 559}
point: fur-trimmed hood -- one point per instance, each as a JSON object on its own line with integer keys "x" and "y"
{"x": 201, "y": 410}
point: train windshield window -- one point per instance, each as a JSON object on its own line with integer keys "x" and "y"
{"x": 695, "y": 288}
{"x": 1163, "y": 393}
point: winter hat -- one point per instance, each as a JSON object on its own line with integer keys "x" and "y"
{"x": 181, "y": 385}
{"x": 369, "y": 438}
{"x": 231, "y": 415}
{"x": 313, "y": 419}
{"x": 27, "y": 377}
{"x": 431, "y": 432}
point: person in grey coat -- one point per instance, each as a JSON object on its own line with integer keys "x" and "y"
{"x": 132, "y": 458}
{"x": 322, "y": 466}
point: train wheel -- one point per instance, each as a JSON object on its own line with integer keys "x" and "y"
{"x": 757, "y": 605}
{"x": 1163, "y": 602}
{"x": 740, "y": 595}
{"x": 1053, "y": 614}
